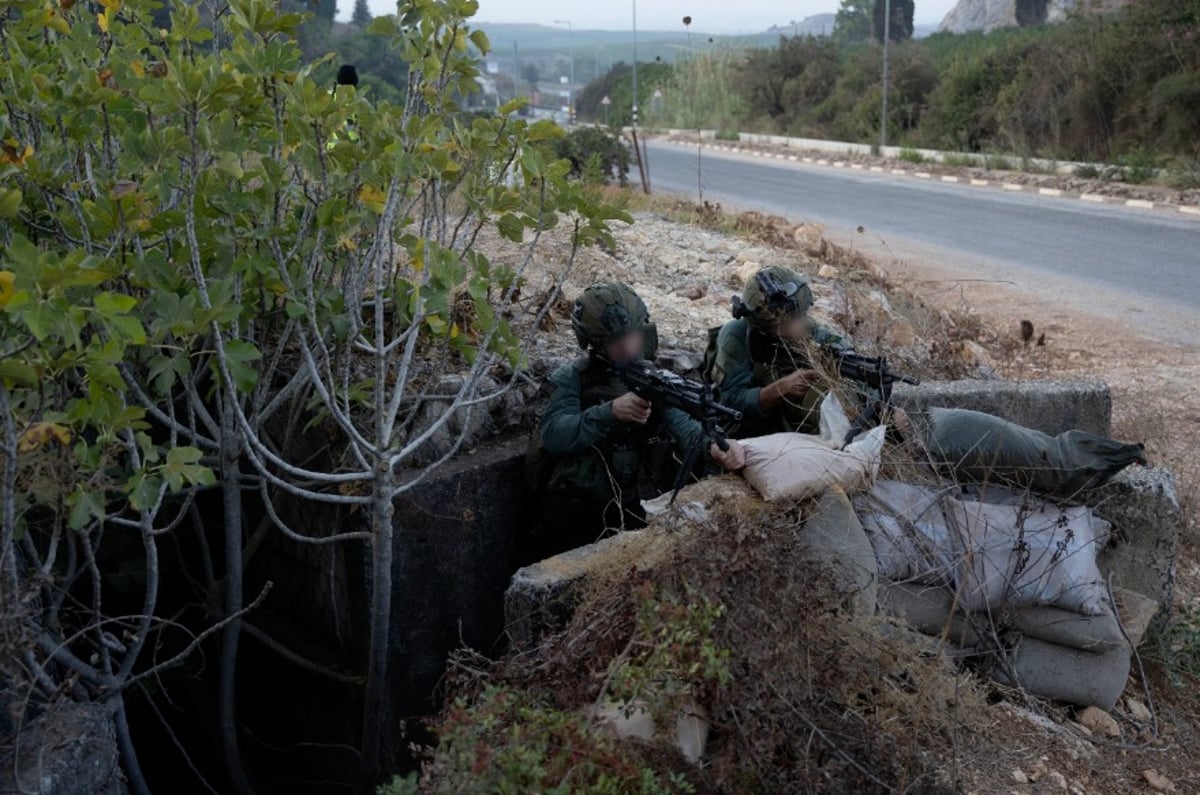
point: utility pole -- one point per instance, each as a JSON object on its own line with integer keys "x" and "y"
{"x": 517, "y": 73}
{"x": 887, "y": 35}
{"x": 571, "y": 49}
{"x": 687, "y": 25}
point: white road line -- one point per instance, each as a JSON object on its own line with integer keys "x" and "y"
{"x": 949, "y": 179}
{"x": 1010, "y": 186}
{"x": 1145, "y": 205}
{"x": 1050, "y": 192}
{"x": 1092, "y": 197}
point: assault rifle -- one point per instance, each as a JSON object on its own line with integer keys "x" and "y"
{"x": 698, "y": 400}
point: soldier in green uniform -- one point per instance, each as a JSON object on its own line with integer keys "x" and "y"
{"x": 596, "y": 439}
{"x": 759, "y": 359}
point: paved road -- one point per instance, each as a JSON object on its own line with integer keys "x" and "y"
{"x": 1108, "y": 257}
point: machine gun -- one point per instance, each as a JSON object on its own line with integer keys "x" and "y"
{"x": 698, "y": 400}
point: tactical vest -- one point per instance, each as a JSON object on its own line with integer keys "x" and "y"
{"x": 613, "y": 466}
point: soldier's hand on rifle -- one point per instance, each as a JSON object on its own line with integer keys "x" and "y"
{"x": 732, "y": 459}
{"x": 792, "y": 386}
{"x": 631, "y": 408}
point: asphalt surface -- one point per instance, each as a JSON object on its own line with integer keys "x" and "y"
{"x": 1140, "y": 263}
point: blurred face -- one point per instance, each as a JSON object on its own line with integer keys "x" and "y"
{"x": 796, "y": 327}
{"x": 626, "y": 349}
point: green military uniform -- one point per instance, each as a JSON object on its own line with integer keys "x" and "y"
{"x": 747, "y": 357}
{"x": 596, "y": 469}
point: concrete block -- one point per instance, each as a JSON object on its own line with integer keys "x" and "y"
{"x": 1048, "y": 406}
{"x": 541, "y": 597}
{"x": 1143, "y": 507}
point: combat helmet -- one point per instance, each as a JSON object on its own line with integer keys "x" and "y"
{"x": 608, "y": 311}
{"x": 773, "y": 295}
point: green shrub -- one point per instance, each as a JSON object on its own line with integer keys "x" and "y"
{"x": 596, "y": 155}
{"x": 911, "y": 156}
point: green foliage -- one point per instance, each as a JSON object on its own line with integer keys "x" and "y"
{"x": 911, "y": 156}
{"x": 853, "y": 22}
{"x": 506, "y": 739}
{"x": 617, "y": 85}
{"x": 362, "y": 14}
{"x": 506, "y": 742}
{"x": 596, "y": 155}
{"x": 1098, "y": 87}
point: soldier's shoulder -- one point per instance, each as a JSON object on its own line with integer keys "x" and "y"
{"x": 569, "y": 374}
{"x": 732, "y": 333}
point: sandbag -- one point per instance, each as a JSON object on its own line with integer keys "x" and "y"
{"x": 832, "y": 538}
{"x": 1096, "y": 634}
{"x": 1025, "y": 556}
{"x": 908, "y": 531}
{"x": 976, "y": 447}
{"x": 928, "y": 610}
{"x": 794, "y": 466}
{"x": 1063, "y": 674}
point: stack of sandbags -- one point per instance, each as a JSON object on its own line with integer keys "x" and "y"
{"x": 1047, "y": 651}
{"x": 1006, "y": 579}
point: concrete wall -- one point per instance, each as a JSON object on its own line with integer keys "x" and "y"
{"x": 1048, "y": 406}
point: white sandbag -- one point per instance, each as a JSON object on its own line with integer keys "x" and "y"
{"x": 908, "y": 531}
{"x": 1024, "y": 556}
{"x": 1070, "y": 675}
{"x": 834, "y": 424}
{"x": 794, "y": 466}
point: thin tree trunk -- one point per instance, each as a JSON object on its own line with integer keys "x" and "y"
{"x": 231, "y": 493}
{"x": 375, "y": 703}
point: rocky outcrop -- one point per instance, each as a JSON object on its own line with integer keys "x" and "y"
{"x": 69, "y": 750}
{"x": 985, "y": 15}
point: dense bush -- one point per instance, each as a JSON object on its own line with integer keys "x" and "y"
{"x": 1096, "y": 87}
{"x": 596, "y": 155}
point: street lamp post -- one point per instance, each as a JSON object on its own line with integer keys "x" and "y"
{"x": 571, "y": 49}
{"x": 887, "y": 35}
{"x": 635, "y": 94}
{"x": 687, "y": 25}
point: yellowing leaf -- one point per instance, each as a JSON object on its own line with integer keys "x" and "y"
{"x": 138, "y": 68}
{"x": 41, "y": 433}
{"x": 10, "y": 203}
{"x": 103, "y": 19}
{"x": 11, "y": 151}
{"x": 372, "y": 197}
{"x": 7, "y": 287}
{"x": 112, "y": 5}
{"x": 454, "y": 332}
{"x": 54, "y": 20}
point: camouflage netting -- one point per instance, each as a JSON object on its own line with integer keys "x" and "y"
{"x": 729, "y": 613}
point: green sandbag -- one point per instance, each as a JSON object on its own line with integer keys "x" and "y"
{"x": 980, "y": 448}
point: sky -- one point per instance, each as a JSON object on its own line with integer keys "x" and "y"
{"x": 710, "y": 16}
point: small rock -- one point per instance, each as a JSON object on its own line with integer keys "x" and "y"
{"x": 1020, "y": 777}
{"x": 1037, "y": 771}
{"x": 1099, "y": 722}
{"x": 1138, "y": 711}
{"x": 1157, "y": 781}
{"x": 829, "y": 272}
{"x": 1057, "y": 780}
{"x": 692, "y": 293}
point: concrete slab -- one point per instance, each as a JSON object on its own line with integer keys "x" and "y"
{"x": 1048, "y": 406}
